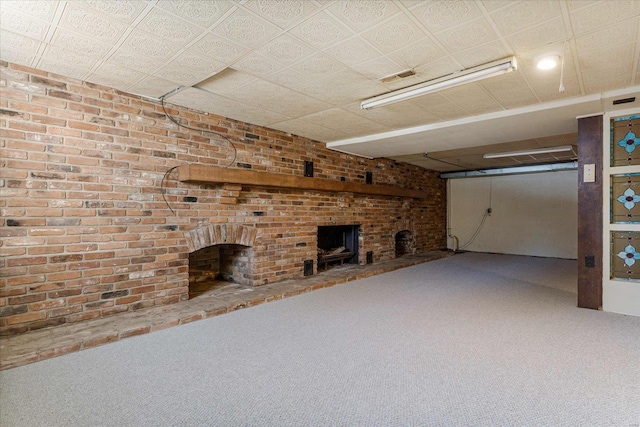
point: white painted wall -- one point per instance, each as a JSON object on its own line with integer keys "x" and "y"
{"x": 532, "y": 214}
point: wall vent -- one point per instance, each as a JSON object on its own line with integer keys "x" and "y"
{"x": 308, "y": 168}
{"x": 308, "y": 267}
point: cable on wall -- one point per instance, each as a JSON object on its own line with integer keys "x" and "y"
{"x": 162, "y": 190}
{"x": 173, "y": 119}
{"x": 477, "y": 232}
{"x": 484, "y": 217}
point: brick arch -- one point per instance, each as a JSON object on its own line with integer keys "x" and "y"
{"x": 220, "y": 234}
{"x": 403, "y": 224}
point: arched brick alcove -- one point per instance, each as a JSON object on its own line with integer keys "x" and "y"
{"x": 220, "y": 234}
{"x": 218, "y": 254}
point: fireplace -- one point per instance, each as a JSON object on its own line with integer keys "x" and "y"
{"x": 216, "y": 266}
{"x": 405, "y": 243}
{"x": 337, "y": 244}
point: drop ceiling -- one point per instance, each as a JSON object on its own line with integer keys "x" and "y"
{"x": 303, "y": 66}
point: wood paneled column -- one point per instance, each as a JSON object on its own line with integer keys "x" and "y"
{"x": 590, "y": 202}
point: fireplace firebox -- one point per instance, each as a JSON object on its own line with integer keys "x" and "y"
{"x": 337, "y": 244}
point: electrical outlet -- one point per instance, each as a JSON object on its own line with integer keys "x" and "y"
{"x": 489, "y": 211}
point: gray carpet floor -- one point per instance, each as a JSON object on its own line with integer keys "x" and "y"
{"x": 470, "y": 340}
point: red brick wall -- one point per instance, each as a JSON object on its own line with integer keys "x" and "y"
{"x": 86, "y": 233}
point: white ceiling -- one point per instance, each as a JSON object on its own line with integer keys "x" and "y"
{"x": 304, "y": 66}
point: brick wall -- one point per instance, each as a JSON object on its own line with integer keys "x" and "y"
{"x": 86, "y": 232}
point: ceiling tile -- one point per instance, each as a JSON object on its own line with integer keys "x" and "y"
{"x": 63, "y": 69}
{"x": 203, "y": 13}
{"x": 23, "y": 24}
{"x": 134, "y": 61}
{"x": 618, "y": 58}
{"x": 538, "y": 37}
{"x": 257, "y": 92}
{"x": 520, "y": 15}
{"x": 472, "y": 98}
{"x": 309, "y": 130}
{"x": 17, "y": 56}
{"x": 226, "y": 81}
{"x": 394, "y": 34}
{"x": 148, "y": 45}
{"x": 378, "y": 68}
{"x": 66, "y": 56}
{"x": 440, "y": 106}
{"x": 16, "y": 42}
{"x": 492, "y": 5}
{"x": 125, "y": 11}
{"x": 510, "y": 90}
{"x": 168, "y": 27}
{"x": 246, "y": 29}
{"x": 417, "y": 54}
{"x": 218, "y": 48}
{"x": 396, "y": 116}
{"x": 479, "y": 55}
{"x": 189, "y": 68}
{"x": 152, "y": 87}
{"x": 334, "y": 118}
{"x": 290, "y": 78}
{"x": 352, "y": 51}
{"x": 40, "y": 9}
{"x": 607, "y": 37}
{"x": 341, "y": 96}
{"x": 601, "y": 82}
{"x": 438, "y": 68}
{"x": 79, "y": 18}
{"x": 255, "y": 115}
{"x": 79, "y": 43}
{"x": 318, "y": 65}
{"x": 204, "y": 101}
{"x": 440, "y": 15}
{"x": 114, "y": 76}
{"x": 293, "y": 104}
{"x": 321, "y": 30}
{"x": 343, "y": 79}
{"x": 587, "y": 18}
{"x": 258, "y": 65}
{"x": 363, "y": 14}
{"x": 285, "y": 49}
{"x": 284, "y": 14}
{"x": 472, "y": 34}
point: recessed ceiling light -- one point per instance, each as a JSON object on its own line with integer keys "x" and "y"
{"x": 548, "y": 62}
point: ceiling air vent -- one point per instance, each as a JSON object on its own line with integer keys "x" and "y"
{"x": 623, "y": 101}
{"x": 397, "y": 76}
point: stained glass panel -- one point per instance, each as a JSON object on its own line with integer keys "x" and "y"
{"x": 625, "y": 198}
{"x": 625, "y": 141}
{"x": 625, "y": 258}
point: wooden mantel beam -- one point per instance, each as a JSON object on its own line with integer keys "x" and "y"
{"x": 214, "y": 174}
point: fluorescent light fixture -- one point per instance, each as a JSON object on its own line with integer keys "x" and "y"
{"x": 469, "y": 75}
{"x": 529, "y": 152}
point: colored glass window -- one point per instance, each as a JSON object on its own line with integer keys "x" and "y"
{"x": 625, "y": 141}
{"x": 625, "y": 198}
{"x": 625, "y": 255}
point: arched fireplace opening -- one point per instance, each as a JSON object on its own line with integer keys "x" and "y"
{"x": 405, "y": 243}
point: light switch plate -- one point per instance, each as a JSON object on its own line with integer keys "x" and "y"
{"x": 589, "y": 173}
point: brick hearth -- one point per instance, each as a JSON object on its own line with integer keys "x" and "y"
{"x": 31, "y": 347}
